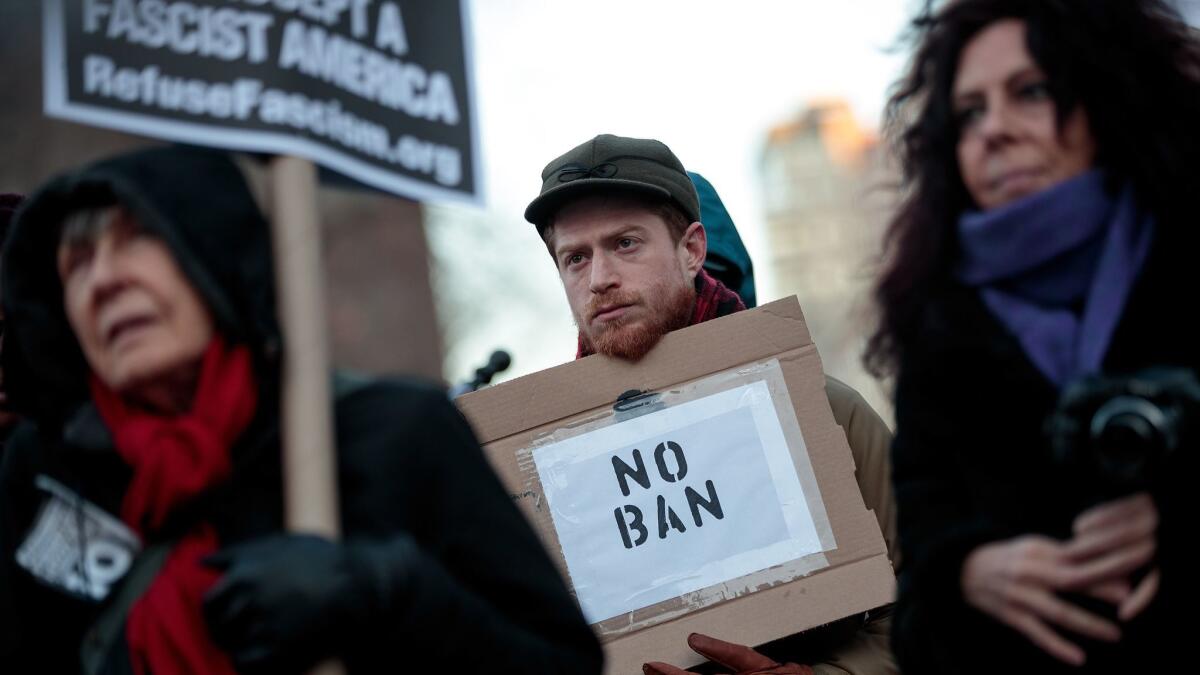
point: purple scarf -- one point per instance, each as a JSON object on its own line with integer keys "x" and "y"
{"x": 1057, "y": 267}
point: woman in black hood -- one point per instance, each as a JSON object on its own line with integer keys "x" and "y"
{"x": 140, "y": 505}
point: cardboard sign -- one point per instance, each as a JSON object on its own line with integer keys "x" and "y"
{"x": 379, "y": 90}
{"x": 705, "y": 488}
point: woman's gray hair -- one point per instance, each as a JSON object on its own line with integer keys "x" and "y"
{"x": 86, "y": 225}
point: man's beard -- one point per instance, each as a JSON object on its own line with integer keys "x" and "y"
{"x": 666, "y": 307}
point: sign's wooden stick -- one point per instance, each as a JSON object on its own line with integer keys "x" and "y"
{"x": 309, "y": 464}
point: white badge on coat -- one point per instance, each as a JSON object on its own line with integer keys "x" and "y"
{"x": 75, "y": 545}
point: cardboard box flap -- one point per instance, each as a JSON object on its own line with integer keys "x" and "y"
{"x": 556, "y": 393}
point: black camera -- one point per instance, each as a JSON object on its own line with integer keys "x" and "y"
{"x": 1119, "y": 431}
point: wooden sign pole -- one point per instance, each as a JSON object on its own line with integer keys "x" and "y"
{"x": 309, "y": 463}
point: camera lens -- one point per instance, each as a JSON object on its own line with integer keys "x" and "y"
{"x": 1127, "y": 433}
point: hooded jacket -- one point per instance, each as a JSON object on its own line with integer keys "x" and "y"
{"x": 728, "y": 260}
{"x": 408, "y": 464}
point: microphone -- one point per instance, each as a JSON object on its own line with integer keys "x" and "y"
{"x": 498, "y": 362}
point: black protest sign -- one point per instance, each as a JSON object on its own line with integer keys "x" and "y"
{"x": 379, "y": 90}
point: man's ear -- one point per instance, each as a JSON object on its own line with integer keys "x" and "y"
{"x": 693, "y": 248}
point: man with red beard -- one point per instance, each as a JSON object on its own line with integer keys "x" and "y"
{"x": 621, "y": 219}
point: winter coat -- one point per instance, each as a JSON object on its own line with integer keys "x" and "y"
{"x": 972, "y": 464}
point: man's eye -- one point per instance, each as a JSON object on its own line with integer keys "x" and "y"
{"x": 574, "y": 259}
{"x": 625, "y": 242}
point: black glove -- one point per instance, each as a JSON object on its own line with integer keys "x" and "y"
{"x": 287, "y": 601}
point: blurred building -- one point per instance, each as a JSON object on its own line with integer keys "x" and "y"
{"x": 827, "y": 195}
{"x": 380, "y": 303}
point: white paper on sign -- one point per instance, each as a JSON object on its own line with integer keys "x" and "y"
{"x": 676, "y": 501}
{"x": 75, "y": 545}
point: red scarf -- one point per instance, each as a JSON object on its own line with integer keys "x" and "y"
{"x": 713, "y": 299}
{"x": 174, "y": 460}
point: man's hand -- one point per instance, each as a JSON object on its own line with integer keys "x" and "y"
{"x": 1017, "y": 581}
{"x": 288, "y": 600}
{"x": 739, "y": 659}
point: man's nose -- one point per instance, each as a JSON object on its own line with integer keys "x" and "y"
{"x": 604, "y": 274}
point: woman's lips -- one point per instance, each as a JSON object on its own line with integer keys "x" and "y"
{"x": 1018, "y": 182}
{"x": 126, "y": 327}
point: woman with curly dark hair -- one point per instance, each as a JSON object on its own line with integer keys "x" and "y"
{"x": 1036, "y": 268}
